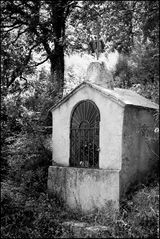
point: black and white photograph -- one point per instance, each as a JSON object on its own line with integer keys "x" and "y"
{"x": 79, "y": 119}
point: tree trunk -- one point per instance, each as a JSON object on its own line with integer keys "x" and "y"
{"x": 57, "y": 71}
{"x": 57, "y": 58}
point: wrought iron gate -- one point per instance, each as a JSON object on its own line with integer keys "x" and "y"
{"x": 84, "y": 135}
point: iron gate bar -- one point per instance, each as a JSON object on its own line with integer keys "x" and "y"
{"x": 84, "y": 140}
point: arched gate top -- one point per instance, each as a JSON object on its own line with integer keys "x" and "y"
{"x": 85, "y": 113}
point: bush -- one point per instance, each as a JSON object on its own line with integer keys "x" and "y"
{"x": 24, "y": 216}
{"x": 27, "y": 153}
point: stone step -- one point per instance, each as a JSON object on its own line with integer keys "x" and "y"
{"x": 81, "y": 229}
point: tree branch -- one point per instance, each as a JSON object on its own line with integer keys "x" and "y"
{"x": 37, "y": 64}
{"x": 13, "y": 9}
{"x": 6, "y": 31}
{"x": 19, "y": 69}
{"x": 18, "y": 35}
{"x": 12, "y": 25}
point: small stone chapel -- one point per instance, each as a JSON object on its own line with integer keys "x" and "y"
{"x": 98, "y": 150}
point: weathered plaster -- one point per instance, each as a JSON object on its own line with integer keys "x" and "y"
{"x": 137, "y": 158}
{"x": 84, "y": 188}
{"x": 111, "y": 115}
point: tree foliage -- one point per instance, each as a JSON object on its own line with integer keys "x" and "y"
{"x": 52, "y": 28}
{"x": 34, "y": 26}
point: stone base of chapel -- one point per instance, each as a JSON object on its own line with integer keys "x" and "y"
{"x": 86, "y": 189}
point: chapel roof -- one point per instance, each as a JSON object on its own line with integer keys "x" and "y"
{"x": 121, "y": 96}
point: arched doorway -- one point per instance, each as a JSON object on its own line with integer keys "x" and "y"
{"x": 84, "y": 135}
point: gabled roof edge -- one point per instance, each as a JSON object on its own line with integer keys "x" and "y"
{"x": 113, "y": 98}
{"x": 120, "y": 102}
{"x": 84, "y": 83}
{"x": 67, "y": 96}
